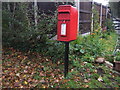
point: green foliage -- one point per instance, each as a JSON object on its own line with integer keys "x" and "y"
{"x": 36, "y": 76}
{"x": 89, "y": 65}
{"x": 99, "y": 44}
{"x": 117, "y": 57}
{"x": 96, "y": 24}
{"x": 109, "y": 58}
{"x": 54, "y": 49}
{"x": 87, "y": 48}
{"x": 105, "y": 79}
{"x": 109, "y": 24}
{"x": 95, "y": 84}
{"x": 93, "y": 46}
{"x": 76, "y": 63}
{"x": 71, "y": 84}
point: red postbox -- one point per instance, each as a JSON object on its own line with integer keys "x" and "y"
{"x": 67, "y": 23}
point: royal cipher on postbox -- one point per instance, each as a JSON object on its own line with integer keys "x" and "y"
{"x": 67, "y": 23}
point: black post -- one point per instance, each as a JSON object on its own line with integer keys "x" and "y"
{"x": 66, "y": 61}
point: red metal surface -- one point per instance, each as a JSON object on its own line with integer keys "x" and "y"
{"x": 68, "y": 15}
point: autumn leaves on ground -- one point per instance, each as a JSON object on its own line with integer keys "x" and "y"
{"x": 29, "y": 70}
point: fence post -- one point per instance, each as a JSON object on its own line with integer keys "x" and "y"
{"x": 78, "y": 8}
{"x": 92, "y": 16}
{"x": 101, "y": 15}
{"x": 106, "y": 11}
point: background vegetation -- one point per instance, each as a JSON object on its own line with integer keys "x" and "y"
{"x": 115, "y": 8}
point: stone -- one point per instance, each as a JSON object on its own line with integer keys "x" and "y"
{"x": 108, "y": 64}
{"x": 100, "y": 60}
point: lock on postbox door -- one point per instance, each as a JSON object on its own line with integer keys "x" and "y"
{"x": 67, "y": 23}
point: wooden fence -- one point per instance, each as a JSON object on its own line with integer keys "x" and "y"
{"x": 86, "y": 15}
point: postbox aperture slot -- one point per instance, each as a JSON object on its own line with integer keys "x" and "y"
{"x": 64, "y": 15}
{"x": 63, "y": 12}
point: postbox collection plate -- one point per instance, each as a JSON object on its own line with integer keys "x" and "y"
{"x": 63, "y": 29}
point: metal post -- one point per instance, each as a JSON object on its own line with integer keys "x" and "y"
{"x": 66, "y": 61}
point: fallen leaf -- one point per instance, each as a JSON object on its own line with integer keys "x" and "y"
{"x": 86, "y": 81}
{"x": 25, "y": 82}
{"x": 86, "y": 86}
{"x": 25, "y": 71}
{"x": 18, "y": 56}
{"x": 16, "y": 81}
{"x": 42, "y": 81}
{"x": 41, "y": 74}
{"x": 26, "y": 67}
{"x": 18, "y": 74}
{"x": 43, "y": 86}
{"x": 24, "y": 76}
{"x": 56, "y": 81}
{"x": 58, "y": 62}
{"x": 100, "y": 79}
{"x": 17, "y": 84}
{"x": 47, "y": 60}
{"x": 28, "y": 63}
{"x": 21, "y": 86}
{"x": 72, "y": 70}
{"x": 95, "y": 71}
